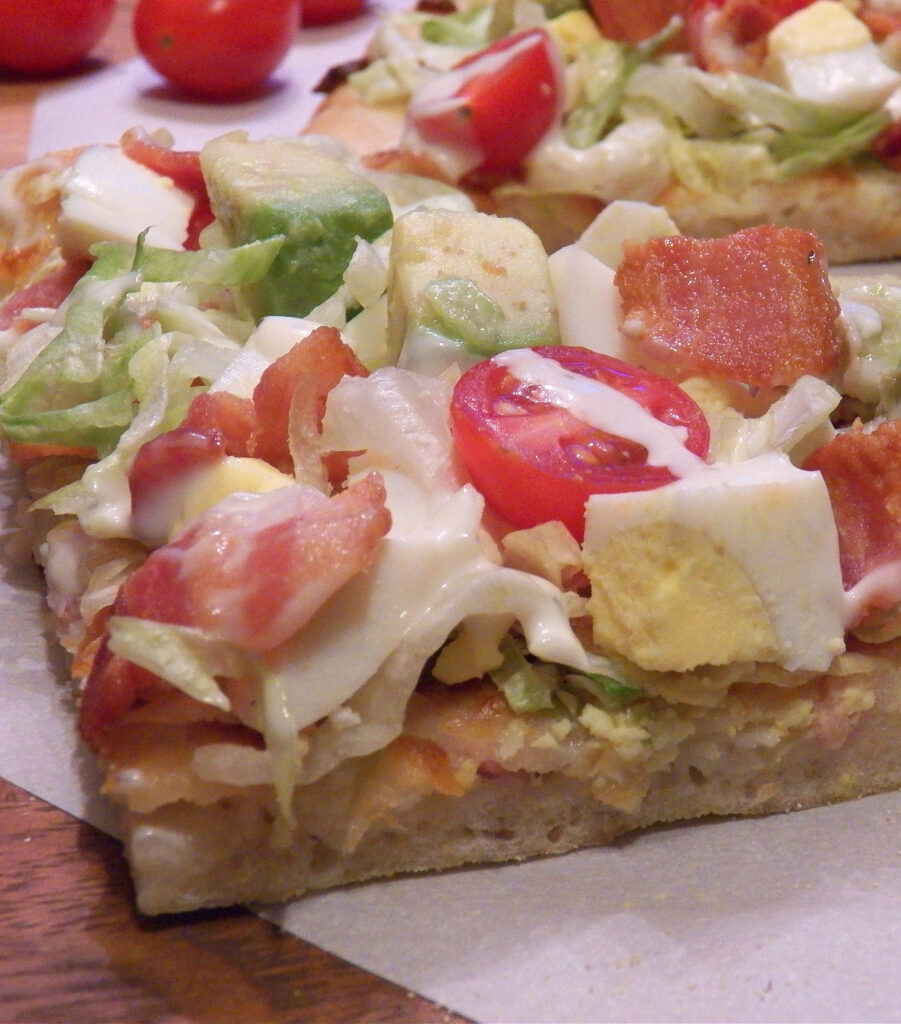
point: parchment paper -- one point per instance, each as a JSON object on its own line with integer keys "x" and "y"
{"x": 791, "y": 918}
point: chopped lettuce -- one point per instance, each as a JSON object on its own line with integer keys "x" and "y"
{"x": 469, "y": 27}
{"x": 715, "y": 112}
{"x": 527, "y": 686}
{"x": 603, "y": 69}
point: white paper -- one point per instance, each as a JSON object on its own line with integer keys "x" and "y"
{"x": 790, "y": 918}
{"x": 100, "y": 107}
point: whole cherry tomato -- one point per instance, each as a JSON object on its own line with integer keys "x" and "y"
{"x": 43, "y": 36}
{"x": 221, "y": 49}
{"x": 536, "y": 459}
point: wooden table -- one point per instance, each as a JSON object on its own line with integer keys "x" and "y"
{"x": 73, "y": 948}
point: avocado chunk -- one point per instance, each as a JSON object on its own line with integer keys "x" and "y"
{"x": 286, "y": 187}
{"x": 463, "y": 286}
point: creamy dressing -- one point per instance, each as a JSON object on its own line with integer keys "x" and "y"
{"x": 604, "y": 408}
{"x": 880, "y": 588}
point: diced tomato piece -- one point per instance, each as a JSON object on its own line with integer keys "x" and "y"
{"x": 730, "y": 35}
{"x": 48, "y": 291}
{"x": 182, "y": 166}
{"x": 862, "y": 470}
{"x": 290, "y": 397}
{"x": 755, "y": 306}
{"x": 535, "y": 460}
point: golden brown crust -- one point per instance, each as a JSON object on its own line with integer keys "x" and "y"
{"x": 183, "y": 856}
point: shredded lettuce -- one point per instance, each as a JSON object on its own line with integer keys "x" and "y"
{"x": 714, "y": 112}
{"x": 527, "y": 686}
{"x": 603, "y": 70}
{"x": 189, "y": 659}
{"x": 469, "y": 27}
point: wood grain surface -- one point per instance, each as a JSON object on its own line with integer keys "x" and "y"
{"x": 72, "y": 947}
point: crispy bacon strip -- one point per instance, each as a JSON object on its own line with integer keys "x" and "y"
{"x": 289, "y": 401}
{"x": 863, "y": 474}
{"x": 755, "y": 306}
{"x": 252, "y": 575}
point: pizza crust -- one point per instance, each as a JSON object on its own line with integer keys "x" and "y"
{"x": 184, "y": 856}
{"x": 856, "y": 210}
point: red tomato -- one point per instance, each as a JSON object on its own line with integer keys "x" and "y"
{"x": 42, "y": 36}
{"x": 726, "y": 35}
{"x": 327, "y": 12}
{"x": 220, "y": 49}
{"x": 495, "y": 106}
{"x": 535, "y": 461}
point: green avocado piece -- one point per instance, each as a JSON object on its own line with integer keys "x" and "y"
{"x": 286, "y": 187}
{"x": 473, "y": 278}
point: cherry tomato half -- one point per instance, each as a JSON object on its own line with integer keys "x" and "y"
{"x": 494, "y": 107}
{"x": 536, "y": 461}
{"x": 43, "y": 36}
{"x": 221, "y": 49}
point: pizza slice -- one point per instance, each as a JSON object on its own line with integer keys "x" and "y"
{"x": 382, "y": 541}
{"x": 728, "y": 113}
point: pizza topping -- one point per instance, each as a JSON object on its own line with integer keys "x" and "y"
{"x": 108, "y": 196}
{"x": 182, "y": 167}
{"x": 463, "y": 117}
{"x": 759, "y": 94}
{"x": 861, "y": 470}
{"x": 707, "y": 571}
{"x": 253, "y": 569}
{"x": 47, "y": 292}
{"x": 779, "y": 323}
{"x": 540, "y": 431}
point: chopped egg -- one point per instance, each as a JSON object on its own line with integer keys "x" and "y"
{"x": 826, "y": 55}
{"x": 738, "y": 562}
{"x": 187, "y": 495}
{"x": 822, "y": 27}
{"x": 108, "y": 197}
{"x": 624, "y": 220}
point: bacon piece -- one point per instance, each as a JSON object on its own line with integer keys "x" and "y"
{"x": 47, "y": 291}
{"x": 252, "y": 574}
{"x": 863, "y": 475}
{"x": 755, "y": 306}
{"x": 216, "y": 425}
{"x": 227, "y": 417}
{"x": 113, "y": 687}
{"x": 289, "y": 401}
{"x": 731, "y": 35}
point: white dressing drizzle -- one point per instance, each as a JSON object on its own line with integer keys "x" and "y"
{"x": 604, "y": 408}
{"x": 880, "y": 587}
